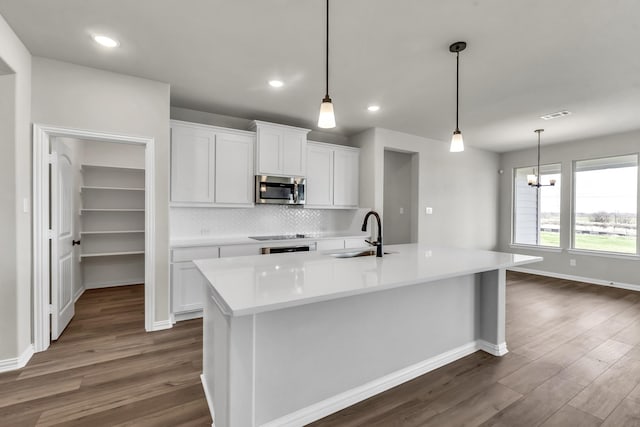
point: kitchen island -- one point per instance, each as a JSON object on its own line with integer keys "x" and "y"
{"x": 290, "y": 338}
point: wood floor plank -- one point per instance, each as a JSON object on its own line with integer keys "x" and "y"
{"x": 560, "y": 333}
{"x": 574, "y": 360}
{"x": 106, "y": 370}
{"x": 569, "y": 416}
{"x": 627, "y": 414}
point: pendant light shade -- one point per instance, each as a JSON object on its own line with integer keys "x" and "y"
{"x": 457, "y": 144}
{"x": 327, "y": 118}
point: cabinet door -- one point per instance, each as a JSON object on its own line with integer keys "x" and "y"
{"x": 192, "y": 162}
{"x": 269, "y": 151}
{"x": 294, "y": 153}
{"x": 346, "y": 178}
{"x": 319, "y": 175}
{"x": 234, "y": 169}
{"x": 188, "y": 287}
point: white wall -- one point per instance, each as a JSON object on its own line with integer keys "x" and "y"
{"x": 602, "y": 268}
{"x": 113, "y": 154}
{"x": 462, "y": 188}
{"x": 15, "y": 224}
{"x": 85, "y": 98}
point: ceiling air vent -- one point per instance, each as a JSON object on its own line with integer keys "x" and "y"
{"x": 555, "y": 115}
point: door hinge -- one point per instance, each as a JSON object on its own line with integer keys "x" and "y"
{"x": 50, "y": 234}
{"x": 50, "y": 308}
{"x": 52, "y": 158}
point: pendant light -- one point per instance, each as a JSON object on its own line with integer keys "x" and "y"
{"x": 457, "y": 144}
{"x": 327, "y": 119}
{"x": 534, "y": 179}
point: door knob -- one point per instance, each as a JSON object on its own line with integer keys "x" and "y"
{"x": 75, "y": 242}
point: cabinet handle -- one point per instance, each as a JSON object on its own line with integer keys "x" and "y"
{"x": 75, "y": 242}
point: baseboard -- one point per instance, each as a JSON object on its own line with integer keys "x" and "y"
{"x": 494, "y": 349}
{"x": 17, "y": 362}
{"x": 78, "y": 294}
{"x": 207, "y": 396}
{"x": 177, "y": 317}
{"x": 161, "y": 325}
{"x": 628, "y": 286}
{"x": 336, "y": 403}
{"x": 113, "y": 283}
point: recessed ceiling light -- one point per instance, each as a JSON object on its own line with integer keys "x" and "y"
{"x": 555, "y": 115}
{"x": 373, "y": 108}
{"x": 276, "y": 83}
{"x": 105, "y": 41}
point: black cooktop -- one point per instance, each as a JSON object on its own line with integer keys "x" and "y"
{"x": 280, "y": 237}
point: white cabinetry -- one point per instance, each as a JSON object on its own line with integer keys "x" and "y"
{"x": 211, "y": 166}
{"x": 280, "y": 150}
{"x": 112, "y": 233}
{"x": 333, "y": 176}
{"x": 187, "y": 284}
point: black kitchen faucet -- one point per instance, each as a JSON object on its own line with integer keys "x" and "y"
{"x": 377, "y": 243}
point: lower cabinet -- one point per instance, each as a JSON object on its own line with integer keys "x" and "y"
{"x": 188, "y": 287}
{"x": 187, "y": 284}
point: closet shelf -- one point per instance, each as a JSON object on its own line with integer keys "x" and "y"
{"x": 83, "y": 188}
{"x": 113, "y": 232}
{"x": 90, "y": 166}
{"x": 111, "y": 210}
{"x": 104, "y": 254}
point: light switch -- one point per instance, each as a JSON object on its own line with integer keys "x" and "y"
{"x": 428, "y": 210}
{"x": 401, "y": 210}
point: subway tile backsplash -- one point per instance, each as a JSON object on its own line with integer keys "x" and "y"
{"x": 261, "y": 220}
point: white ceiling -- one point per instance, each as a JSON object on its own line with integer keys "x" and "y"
{"x": 524, "y": 58}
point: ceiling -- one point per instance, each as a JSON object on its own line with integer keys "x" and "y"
{"x": 524, "y": 59}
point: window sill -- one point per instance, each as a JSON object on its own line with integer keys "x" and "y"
{"x": 535, "y": 248}
{"x": 628, "y": 257}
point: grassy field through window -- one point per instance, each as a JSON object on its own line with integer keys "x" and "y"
{"x": 604, "y": 243}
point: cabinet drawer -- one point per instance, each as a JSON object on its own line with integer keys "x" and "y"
{"x": 191, "y": 253}
{"x": 327, "y": 245}
{"x": 355, "y": 243}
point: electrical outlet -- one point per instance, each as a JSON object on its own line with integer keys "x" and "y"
{"x": 572, "y": 262}
{"x": 428, "y": 210}
{"x": 204, "y": 231}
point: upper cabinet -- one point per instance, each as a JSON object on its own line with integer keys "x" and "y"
{"x": 333, "y": 176}
{"x": 280, "y": 150}
{"x": 211, "y": 166}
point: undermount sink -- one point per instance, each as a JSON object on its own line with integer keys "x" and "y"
{"x": 357, "y": 253}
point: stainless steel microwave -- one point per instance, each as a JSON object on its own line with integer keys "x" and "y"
{"x": 279, "y": 190}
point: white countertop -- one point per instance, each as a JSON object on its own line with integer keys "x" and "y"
{"x": 255, "y": 284}
{"x": 245, "y": 240}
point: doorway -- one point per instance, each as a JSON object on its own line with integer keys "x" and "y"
{"x": 117, "y": 208}
{"x": 400, "y": 211}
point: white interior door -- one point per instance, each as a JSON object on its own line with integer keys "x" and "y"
{"x": 62, "y": 305}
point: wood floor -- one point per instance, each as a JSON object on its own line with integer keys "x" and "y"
{"x": 107, "y": 371}
{"x": 574, "y": 361}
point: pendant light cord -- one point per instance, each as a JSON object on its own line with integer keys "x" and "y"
{"x": 538, "y": 179}
{"x": 327, "y": 57}
{"x": 457, "y": 88}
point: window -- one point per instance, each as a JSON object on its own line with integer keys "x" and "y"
{"x": 536, "y": 211}
{"x": 605, "y": 210}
